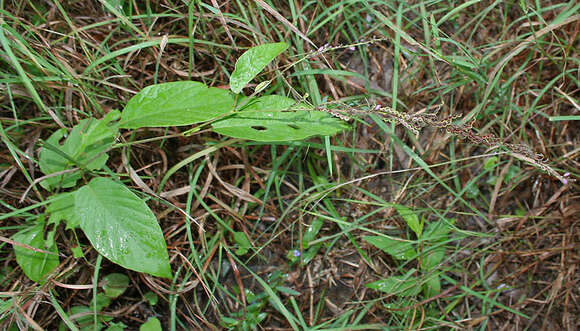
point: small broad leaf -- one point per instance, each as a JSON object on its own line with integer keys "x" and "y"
{"x": 84, "y": 147}
{"x": 102, "y": 301}
{"x": 151, "y": 298}
{"x": 411, "y": 218}
{"x": 229, "y": 322}
{"x": 312, "y": 231}
{"x": 399, "y": 249}
{"x": 174, "y": 104}
{"x": 252, "y": 62}
{"x": 433, "y": 286}
{"x": 243, "y": 242}
{"x": 152, "y": 324}
{"x": 402, "y": 286}
{"x": 490, "y": 163}
{"x": 51, "y": 161}
{"x": 277, "y": 118}
{"x": 36, "y": 265}
{"x": 77, "y": 252}
{"x": 121, "y": 227}
{"x": 432, "y": 256}
{"x": 115, "y": 284}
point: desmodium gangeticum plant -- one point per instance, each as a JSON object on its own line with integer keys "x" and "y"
{"x": 116, "y": 220}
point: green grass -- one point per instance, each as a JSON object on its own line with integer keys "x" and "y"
{"x": 509, "y": 66}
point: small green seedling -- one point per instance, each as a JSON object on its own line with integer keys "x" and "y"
{"x": 243, "y": 243}
{"x": 113, "y": 286}
{"x": 252, "y": 316}
{"x": 431, "y": 253}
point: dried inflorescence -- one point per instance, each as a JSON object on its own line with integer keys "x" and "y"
{"x": 415, "y": 122}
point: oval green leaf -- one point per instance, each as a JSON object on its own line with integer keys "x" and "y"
{"x": 411, "y": 218}
{"x": 399, "y": 249}
{"x": 36, "y": 265}
{"x": 175, "y": 104}
{"x": 401, "y": 286}
{"x": 102, "y": 301}
{"x": 242, "y": 241}
{"x": 252, "y": 62}
{"x": 151, "y": 298}
{"x": 277, "y": 118}
{"x": 152, "y": 324}
{"x": 121, "y": 227}
{"x": 115, "y": 284}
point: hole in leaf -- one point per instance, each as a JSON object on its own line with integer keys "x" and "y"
{"x": 293, "y": 126}
{"x": 47, "y": 230}
{"x": 259, "y": 128}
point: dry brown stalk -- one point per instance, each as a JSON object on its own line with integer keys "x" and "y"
{"x": 415, "y": 122}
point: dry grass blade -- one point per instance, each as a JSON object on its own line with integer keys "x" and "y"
{"x": 283, "y": 19}
{"x": 224, "y": 23}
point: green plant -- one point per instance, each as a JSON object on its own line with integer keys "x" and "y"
{"x": 117, "y": 222}
{"x": 429, "y": 249}
{"x": 88, "y": 317}
{"x": 252, "y": 315}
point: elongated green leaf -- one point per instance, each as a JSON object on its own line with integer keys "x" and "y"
{"x": 312, "y": 231}
{"x": 277, "y": 118}
{"x": 401, "y": 286}
{"x": 174, "y": 104}
{"x": 114, "y": 6}
{"x": 5, "y": 305}
{"x": 435, "y": 235}
{"x": 84, "y": 147}
{"x": 36, "y": 265}
{"x": 121, "y": 227}
{"x": 85, "y": 319}
{"x": 401, "y": 250}
{"x": 252, "y": 62}
{"x": 411, "y": 218}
